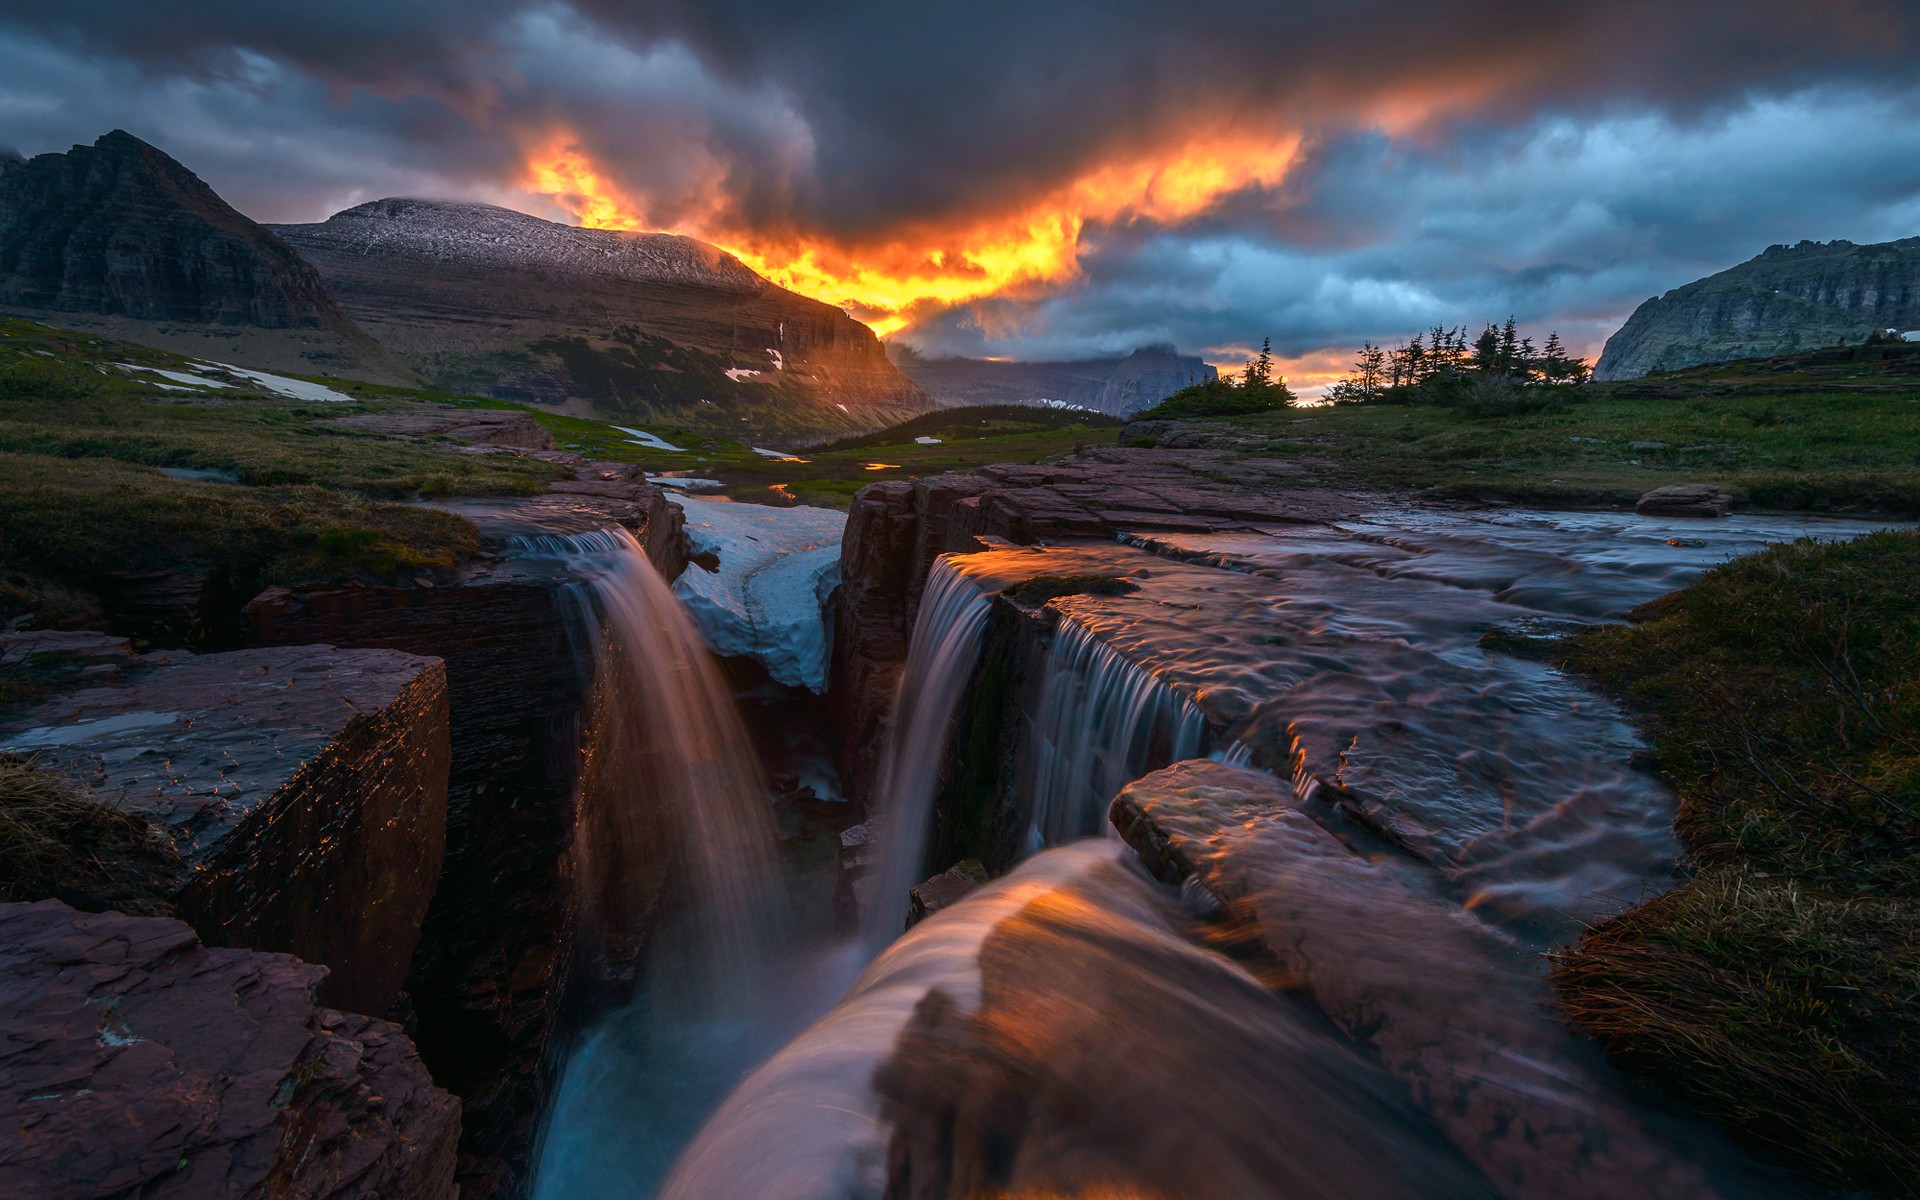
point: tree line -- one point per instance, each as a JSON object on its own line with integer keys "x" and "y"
{"x": 1442, "y": 359}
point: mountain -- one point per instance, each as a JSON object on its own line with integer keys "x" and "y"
{"x": 1790, "y": 299}
{"x": 118, "y": 237}
{"x": 490, "y": 301}
{"x": 1119, "y": 386}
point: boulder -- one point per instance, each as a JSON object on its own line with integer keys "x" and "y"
{"x": 305, "y": 789}
{"x": 140, "y": 1062}
{"x": 944, "y": 890}
{"x": 1685, "y": 500}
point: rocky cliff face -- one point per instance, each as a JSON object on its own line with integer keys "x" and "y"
{"x": 141, "y": 1063}
{"x": 1120, "y": 386}
{"x": 489, "y": 992}
{"x": 487, "y": 300}
{"x": 119, "y": 237}
{"x": 1788, "y": 300}
{"x": 896, "y": 529}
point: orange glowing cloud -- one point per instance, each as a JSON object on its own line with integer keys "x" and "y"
{"x": 887, "y": 281}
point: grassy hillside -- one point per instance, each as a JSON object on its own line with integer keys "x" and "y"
{"x": 1789, "y": 434}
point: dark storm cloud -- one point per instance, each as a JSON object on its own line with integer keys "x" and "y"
{"x": 1459, "y": 162}
{"x": 921, "y": 109}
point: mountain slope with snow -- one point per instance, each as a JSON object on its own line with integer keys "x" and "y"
{"x": 645, "y": 326}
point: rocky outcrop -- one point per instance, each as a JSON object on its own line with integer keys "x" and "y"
{"x": 896, "y": 529}
{"x": 1433, "y": 993}
{"x": 1788, "y": 300}
{"x": 1685, "y": 500}
{"x": 489, "y": 994}
{"x": 305, "y": 789}
{"x": 140, "y": 1062}
{"x": 1119, "y": 386}
{"x": 120, "y": 238}
{"x": 490, "y": 301}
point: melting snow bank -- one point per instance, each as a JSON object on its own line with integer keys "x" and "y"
{"x": 768, "y": 601}
{"x": 294, "y": 389}
{"x": 641, "y": 437}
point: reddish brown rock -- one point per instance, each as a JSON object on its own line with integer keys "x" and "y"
{"x": 895, "y": 530}
{"x": 944, "y": 890}
{"x": 304, "y": 788}
{"x": 140, "y": 1063}
{"x": 1685, "y": 500}
{"x": 1439, "y": 999}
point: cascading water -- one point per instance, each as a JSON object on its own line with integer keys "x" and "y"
{"x": 940, "y": 658}
{"x": 671, "y": 801}
{"x": 668, "y": 763}
{"x": 1101, "y": 722}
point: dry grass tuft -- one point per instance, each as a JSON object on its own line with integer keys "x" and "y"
{"x": 57, "y": 842}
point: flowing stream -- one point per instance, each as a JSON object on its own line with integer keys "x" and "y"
{"x": 1067, "y": 1031}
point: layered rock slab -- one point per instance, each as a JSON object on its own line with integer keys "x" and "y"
{"x": 1432, "y": 992}
{"x": 139, "y": 1062}
{"x": 304, "y": 787}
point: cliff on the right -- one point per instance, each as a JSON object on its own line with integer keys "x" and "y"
{"x": 1789, "y": 300}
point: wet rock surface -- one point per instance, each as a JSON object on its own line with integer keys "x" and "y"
{"x": 140, "y": 1062}
{"x": 1685, "y": 500}
{"x": 304, "y": 787}
{"x": 895, "y": 530}
{"x": 489, "y": 993}
{"x": 944, "y": 890}
{"x": 1445, "y": 1003}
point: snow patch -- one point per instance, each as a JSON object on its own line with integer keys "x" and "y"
{"x": 738, "y": 373}
{"x": 928, "y": 441}
{"x": 776, "y": 455}
{"x": 691, "y": 485}
{"x": 779, "y": 360}
{"x": 192, "y": 382}
{"x": 293, "y": 389}
{"x": 641, "y": 437}
{"x": 768, "y": 600}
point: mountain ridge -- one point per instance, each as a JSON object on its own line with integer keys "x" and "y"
{"x": 1119, "y": 386}
{"x": 119, "y": 237}
{"x": 492, "y": 301}
{"x": 1785, "y": 300}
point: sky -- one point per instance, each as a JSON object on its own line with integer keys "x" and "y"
{"x": 1060, "y": 179}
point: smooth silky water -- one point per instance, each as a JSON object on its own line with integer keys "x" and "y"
{"x": 1077, "y": 993}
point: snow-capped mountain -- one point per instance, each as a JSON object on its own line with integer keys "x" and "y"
{"x": 491, "y": 301}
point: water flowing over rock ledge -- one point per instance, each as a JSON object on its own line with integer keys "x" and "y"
{"x": 140, "y": 1062}
{"x": 1443, "y": 1001}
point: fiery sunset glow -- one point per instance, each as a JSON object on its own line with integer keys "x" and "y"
{"x": 886, "y": 282}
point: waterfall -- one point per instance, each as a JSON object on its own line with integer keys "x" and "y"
{"x": 940, "y": 659}
{"x": 1100, "y": 722}
{"x": 670, "y": 780}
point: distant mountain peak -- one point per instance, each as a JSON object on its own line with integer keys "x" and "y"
{"x": 1786, "y": 300}
{"x": 489, "y": 236}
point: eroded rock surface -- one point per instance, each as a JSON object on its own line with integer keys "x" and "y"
{"x": 896, "y": 529}
{"x": 139, "y": 1062}
{"x": 305, "y": 788}
{"x": 1436, "y": 995}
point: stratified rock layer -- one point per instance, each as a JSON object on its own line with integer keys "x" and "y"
{"x": 120, "y": 238}
{"x": 489, "y": 982}
{"x": 895, "y": 530}
{"x": 1427, "y": 989}
{"x": 305, "y": 788}
{"x": 140, "y": 1063}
